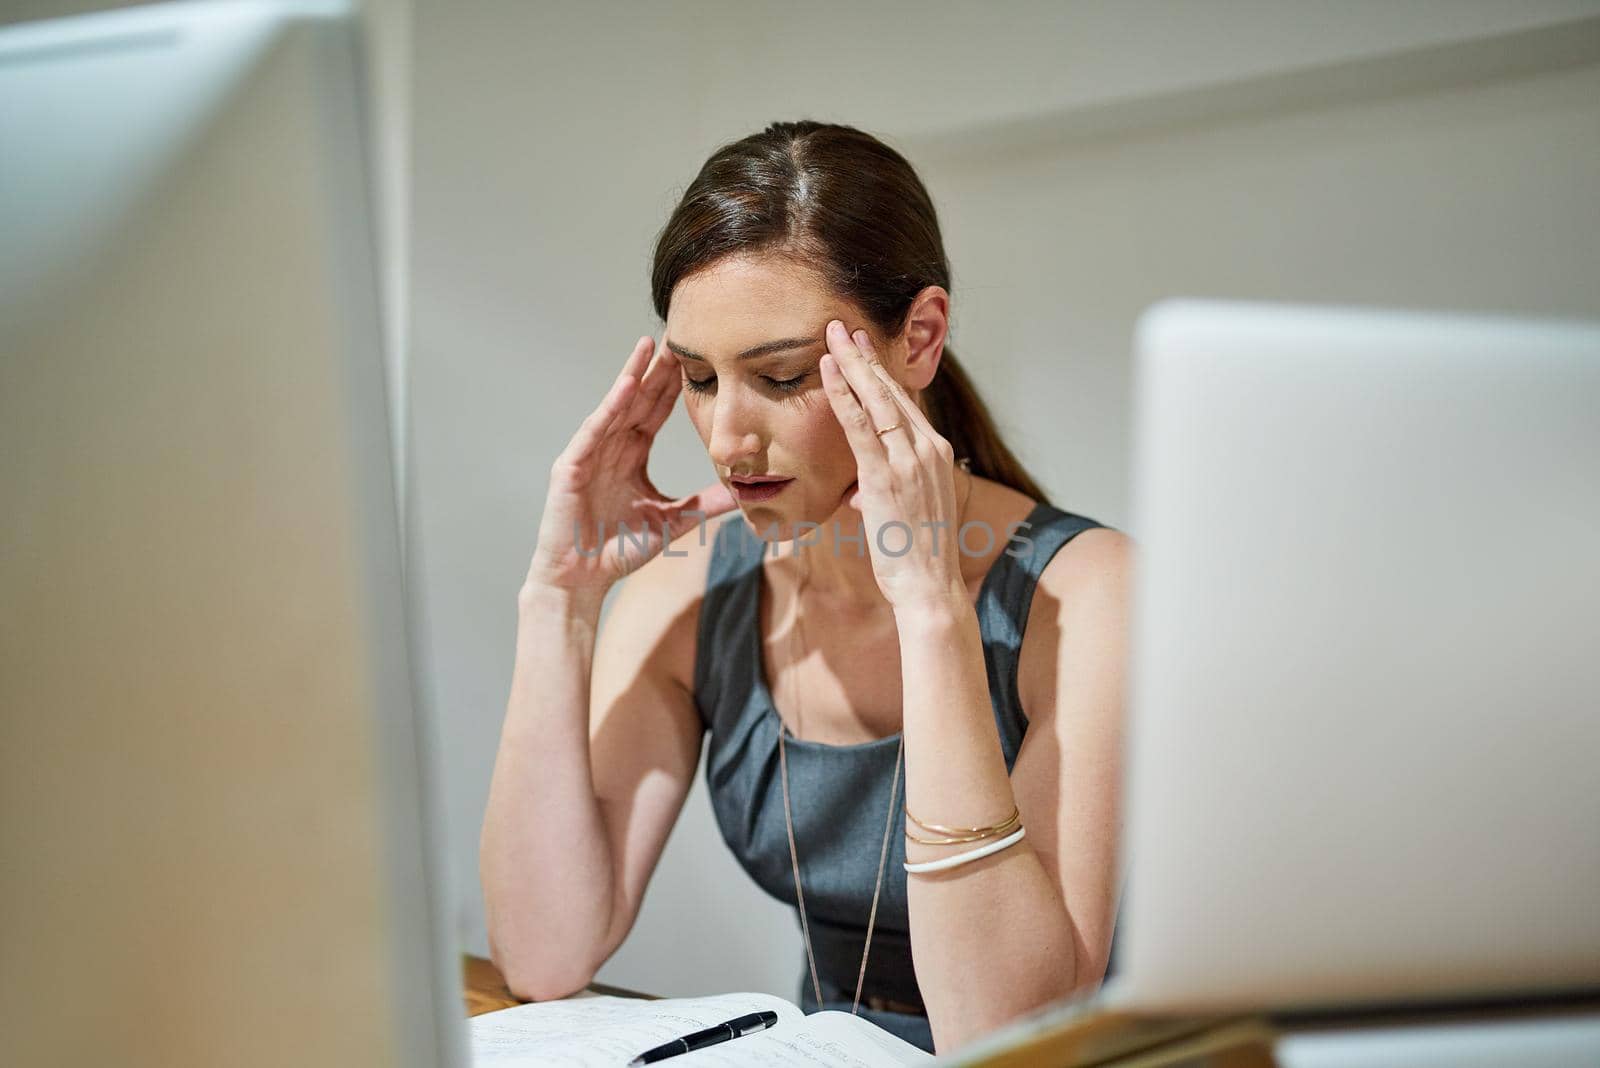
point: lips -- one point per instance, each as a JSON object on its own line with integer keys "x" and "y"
{"x": 758, "y": 487}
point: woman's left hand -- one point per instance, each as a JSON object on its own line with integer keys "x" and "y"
{"x": 906, "y": 476}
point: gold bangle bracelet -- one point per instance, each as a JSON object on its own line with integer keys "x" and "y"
{"x": 941, "y": 829}
{"x": 998, "y": 831}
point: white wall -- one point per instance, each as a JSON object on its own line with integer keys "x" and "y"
{"x": 1086, "y": 159}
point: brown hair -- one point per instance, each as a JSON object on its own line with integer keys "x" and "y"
{"x": 845, "y": 205}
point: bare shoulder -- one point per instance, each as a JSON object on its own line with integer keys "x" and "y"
{"x": 1095, "y": 563}
{"x": 1078, "y": 621}
{"x": 658, "y": 606}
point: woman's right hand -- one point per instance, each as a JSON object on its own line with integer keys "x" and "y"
{"x": 599, "y": 483}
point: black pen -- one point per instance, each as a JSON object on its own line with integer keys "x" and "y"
{"x": 744, "y": 1025}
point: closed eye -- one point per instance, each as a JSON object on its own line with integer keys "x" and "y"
{"x": 787, "y": 385}
{"x": 780, "y": 385}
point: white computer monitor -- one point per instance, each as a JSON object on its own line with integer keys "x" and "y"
{"x": 214, "y": 810}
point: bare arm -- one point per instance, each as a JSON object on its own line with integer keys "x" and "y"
{"x": 577, "y": 815}
{"x": 1009, "y": 933}
{"x": 582, "y": 802}
{"x": 544, "y": 857}
{"x": 1010, "y": 930}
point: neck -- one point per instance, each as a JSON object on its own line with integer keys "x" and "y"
{"x": 837, "y": 566}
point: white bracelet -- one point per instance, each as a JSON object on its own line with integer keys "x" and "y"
{"x": 972, "y": 854}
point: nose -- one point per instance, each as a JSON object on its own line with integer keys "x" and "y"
{"x": 733, "y": 438}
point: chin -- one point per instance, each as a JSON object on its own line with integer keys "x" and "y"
{"x": 770, "y": 524}
{"x": 773, "y": 524}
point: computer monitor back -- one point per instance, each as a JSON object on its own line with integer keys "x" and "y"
{"x": 1365, "y": 701}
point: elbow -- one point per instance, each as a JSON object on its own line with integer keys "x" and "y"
{"x": 529, "y": 977}
{"x": 544, "y": 954}
{"x": 535, "y": 968}
{"x": 967, "y": 1019}
{"x": 543, "y": 986}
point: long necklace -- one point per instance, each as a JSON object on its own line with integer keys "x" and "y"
{"x": 894, "y": 786}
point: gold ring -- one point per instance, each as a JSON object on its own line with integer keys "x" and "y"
{"x": 886, "y": 429}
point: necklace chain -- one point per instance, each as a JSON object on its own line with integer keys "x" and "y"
{"x": 894, "y": 787}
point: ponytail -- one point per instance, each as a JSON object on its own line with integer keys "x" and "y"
{"x": 960, "y": 416}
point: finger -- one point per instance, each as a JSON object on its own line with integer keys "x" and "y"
{"x": 908, "y": 406}
{"x": 630, "y": 382}
{"x": 667, "y": 363}
{"x": 651, "y": 382}
{"x": 600, "y": 422}
{"x": 713, "y": 500}
{"x": 635, "y": 363}
{"x": 871, "y": 459}
{"x": 666, "y": 397}
{"x": 632, "y": 368}
{"x": 880, "y": 406}
{"x": 663, "y": 368}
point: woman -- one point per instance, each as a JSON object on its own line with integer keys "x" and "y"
{"x": 902, "y": 655}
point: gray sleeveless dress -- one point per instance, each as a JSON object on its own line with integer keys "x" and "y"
{"x": 839, "y": 793}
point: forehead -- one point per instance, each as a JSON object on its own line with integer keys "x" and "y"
{"x": 743, "y": 301}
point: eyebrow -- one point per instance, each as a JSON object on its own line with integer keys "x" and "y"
{"x": 766, "y": 348}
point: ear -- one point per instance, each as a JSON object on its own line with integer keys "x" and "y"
{"x": 927, "y": 325}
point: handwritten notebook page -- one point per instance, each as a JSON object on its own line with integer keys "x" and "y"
{"x": 834, "y": 1039}
{"x": 608, "y": 1032}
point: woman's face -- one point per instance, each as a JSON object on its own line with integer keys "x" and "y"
{"x": 748, "y": 332}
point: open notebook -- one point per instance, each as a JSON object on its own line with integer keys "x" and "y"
{"x": 608, "y": 1032}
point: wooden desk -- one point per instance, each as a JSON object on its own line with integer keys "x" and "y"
{"x": 1228, "y": 1043}
{"x": 484, "y": 990}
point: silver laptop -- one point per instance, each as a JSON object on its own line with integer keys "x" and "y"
{"x": 1365, "y": 697}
